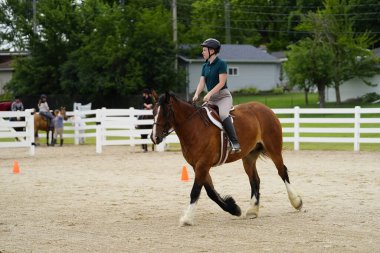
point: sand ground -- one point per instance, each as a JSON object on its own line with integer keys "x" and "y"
{"x": 71, "y": 199}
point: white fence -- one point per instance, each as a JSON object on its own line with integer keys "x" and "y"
{"x": 118, "y": 127}
{"x": 9, "y": 137}
{"x": 352, "y": 128}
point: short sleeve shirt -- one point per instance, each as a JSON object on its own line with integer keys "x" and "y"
{"x": 211, "y": 72}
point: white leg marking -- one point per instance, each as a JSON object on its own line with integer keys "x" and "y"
{"x": 294, "y": 197}
{"x": 253, "y": 211}
{"x": 188, "y": 216}
{"x": 154, "y": 126}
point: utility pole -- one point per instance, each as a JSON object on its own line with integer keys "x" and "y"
{"x": 227, "y": 21}
{"x": 34, "y": 17}
{"x": 175, "y": 38}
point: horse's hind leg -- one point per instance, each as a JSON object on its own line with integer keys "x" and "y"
{"x": 249, "y": 163}
{"x": 294, "y": 197}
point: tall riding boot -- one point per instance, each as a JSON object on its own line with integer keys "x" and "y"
{"x": 230, "y": 130}
{"x": 53, "y": 142}
{"x": 61, "y": 143}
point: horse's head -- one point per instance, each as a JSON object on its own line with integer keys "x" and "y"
{"x": 163, "y": 117}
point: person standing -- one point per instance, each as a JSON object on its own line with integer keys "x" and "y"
{"x": 147, "y": 105}
{"x": 58, "y": 128}
{"x": 17, "y": 105}
{"x": 214, "y": 77}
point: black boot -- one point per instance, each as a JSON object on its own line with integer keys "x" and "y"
{"x": 230, "y": 130}
{"x": 61, "y": 143}
{"x": 53, "y": 142}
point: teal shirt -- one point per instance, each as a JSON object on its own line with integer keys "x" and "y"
{"x": 211, "y": 72}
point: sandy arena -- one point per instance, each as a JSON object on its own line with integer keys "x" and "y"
{"x": 71, "y": 199}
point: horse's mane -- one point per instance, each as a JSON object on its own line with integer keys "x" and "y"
{"x": 164, "y": 99}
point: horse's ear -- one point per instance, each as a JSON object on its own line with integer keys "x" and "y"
{"x": 167, "y": 96}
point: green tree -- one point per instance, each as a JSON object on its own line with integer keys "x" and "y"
{"x": 334, "y": 26}
{"x": 310, "y": 63}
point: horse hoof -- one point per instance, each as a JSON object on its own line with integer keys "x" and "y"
{"x": 184, "y": 221}
{"x": 252, "y": 213}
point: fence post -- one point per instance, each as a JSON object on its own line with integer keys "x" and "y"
{"x": 99, "y": 135}
{"x": 29, "y": 128}
{"x": 357, "y": 129}
{"x": 76, "y": 126}
{"x": 132, "y": 127}
{"x": 296, "y": 128}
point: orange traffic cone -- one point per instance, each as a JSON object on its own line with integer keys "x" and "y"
{"x": 16, "y": 168}
{"x": 184, "y": 175}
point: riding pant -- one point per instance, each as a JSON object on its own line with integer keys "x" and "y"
{"x": 223, "y": 100}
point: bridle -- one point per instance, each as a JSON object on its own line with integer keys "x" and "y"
{"x": 170, "y": 114}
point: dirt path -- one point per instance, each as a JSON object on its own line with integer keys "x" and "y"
{"x": 71, "y": 199}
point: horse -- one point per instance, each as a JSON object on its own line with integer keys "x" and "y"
{"x": 259, "y": 132}
{"x": 43, "y": 123}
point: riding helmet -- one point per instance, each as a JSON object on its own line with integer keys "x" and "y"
{"x": 212, "y": 43}
{"x": 43, "y": 96}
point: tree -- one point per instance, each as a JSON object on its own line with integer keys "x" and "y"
{"x": 333, "y": 26}
{"x": 310, "y": 63}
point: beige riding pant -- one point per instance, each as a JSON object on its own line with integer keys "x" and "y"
{"x": 223, "y": 100}
{"x": 58, "y": 131}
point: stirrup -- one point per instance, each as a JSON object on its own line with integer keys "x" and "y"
{"x": 234, "y": 149}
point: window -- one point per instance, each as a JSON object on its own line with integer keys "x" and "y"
{"x": 233, "y": 71}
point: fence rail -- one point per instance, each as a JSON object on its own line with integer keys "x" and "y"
{"x": 24, "y": 136}
{"x": 118, "y": 127}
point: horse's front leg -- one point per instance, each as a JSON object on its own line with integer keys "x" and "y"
{"x": 188, "y": 216}
{"x": 227, "y": 203}
{"x": 47, "y": 138}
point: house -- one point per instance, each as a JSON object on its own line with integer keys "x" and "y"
{"x": 355, "y": 88}
{"x": 6, "y": 68}
{"x": 248, "y": 67}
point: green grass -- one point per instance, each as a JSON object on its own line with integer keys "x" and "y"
{"x": 290, "y": 100}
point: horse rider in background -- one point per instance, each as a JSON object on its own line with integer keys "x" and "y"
{"x": 44, "y": 110}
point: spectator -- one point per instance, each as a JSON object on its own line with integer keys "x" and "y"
{"x": 58, "y": 128}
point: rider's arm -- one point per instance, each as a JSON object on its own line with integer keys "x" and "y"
{"x": 200, "y": 88}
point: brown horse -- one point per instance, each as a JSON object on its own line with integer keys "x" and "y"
{"x": 43, "y": 123}
{"x": 259, "y": 133}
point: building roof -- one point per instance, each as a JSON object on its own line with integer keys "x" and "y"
{"x": 240, "y": 53}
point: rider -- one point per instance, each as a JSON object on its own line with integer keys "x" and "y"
{"x": 44, "y": 110}
{"x": 214, "y": 76}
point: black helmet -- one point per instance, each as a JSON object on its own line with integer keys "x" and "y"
{"x": 147, "y": 91}
{"x": 43, "y": 96}
{"x": 212, "y": 43}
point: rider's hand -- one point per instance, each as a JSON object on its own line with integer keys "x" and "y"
{"x": 207, "y": 97}
{"x": 195, "y": 98}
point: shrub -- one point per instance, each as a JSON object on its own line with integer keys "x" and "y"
{"x": 278, "y": 90}
{"x": 370, "y": 97}
{"x": 248, "y": 91}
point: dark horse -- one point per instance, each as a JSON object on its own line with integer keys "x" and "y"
{"x": 259, "y": 133}
{"x": 43, "y": 123}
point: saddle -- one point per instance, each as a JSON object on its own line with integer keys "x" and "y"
{"x": 213, "y": 116}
